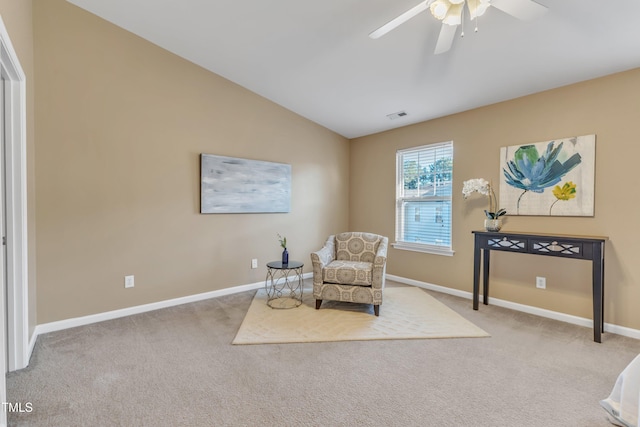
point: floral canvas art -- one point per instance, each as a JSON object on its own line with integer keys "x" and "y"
{"x": 552, "y": 178}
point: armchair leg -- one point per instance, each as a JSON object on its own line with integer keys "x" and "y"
{"x": 376, "y": 310}
{"x": 318, "y": 302}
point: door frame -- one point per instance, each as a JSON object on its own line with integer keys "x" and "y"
{"x": 16, "y": 189}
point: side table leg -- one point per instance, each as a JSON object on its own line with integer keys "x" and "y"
{"x": 269, "y": 286}
{"x": 300, "y": 283}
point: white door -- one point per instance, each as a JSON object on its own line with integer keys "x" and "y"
{"x": 13, "y": 216}
{"x": 3, "y": 252}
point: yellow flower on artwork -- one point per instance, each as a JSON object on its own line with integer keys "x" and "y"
{"x": 566, "y": 192}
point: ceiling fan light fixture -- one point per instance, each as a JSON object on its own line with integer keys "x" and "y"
{"x": 447, "y": 11}
{"x": 440, "y": 8}
{"x": 454, "y": 15}
{"x": 477, "y": 7}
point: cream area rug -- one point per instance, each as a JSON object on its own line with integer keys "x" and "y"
{"x": 406, "y": 313}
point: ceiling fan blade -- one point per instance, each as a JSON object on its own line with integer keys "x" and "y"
{"x": 525, "y": 10}
{"x": 445, "y": 39}
{"x": 400, "y": 19}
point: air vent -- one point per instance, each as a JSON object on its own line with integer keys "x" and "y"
{"x": 397, "y": 115}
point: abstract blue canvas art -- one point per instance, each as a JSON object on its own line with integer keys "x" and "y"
{"x": 234, "y": 185}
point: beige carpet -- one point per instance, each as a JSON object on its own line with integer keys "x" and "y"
{"x": 406, "y": 313}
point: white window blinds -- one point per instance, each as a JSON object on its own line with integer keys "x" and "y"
{"x": 423, "y": 198}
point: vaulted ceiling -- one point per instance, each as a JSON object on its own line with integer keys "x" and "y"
{"x": 315, "y": 57}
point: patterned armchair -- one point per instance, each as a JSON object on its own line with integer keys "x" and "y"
{"x": 350, "y": 267}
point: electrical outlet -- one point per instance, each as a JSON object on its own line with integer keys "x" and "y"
{"x": 129, "y": 282}
{"x": 254, "y": 263}
{"x": 541, "y": 282}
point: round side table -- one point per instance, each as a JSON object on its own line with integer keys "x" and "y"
{"x": 284, "y": 284}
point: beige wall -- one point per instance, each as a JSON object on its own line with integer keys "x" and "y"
{"x": 121, "y": 124}
{"x": 608, "y": 107}
{"x": 17, "y": 18}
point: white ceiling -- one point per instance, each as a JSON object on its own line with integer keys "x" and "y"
{"x": 315, "y": 57}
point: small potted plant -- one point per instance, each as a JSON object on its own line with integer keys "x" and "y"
{"x": 285, "y": 253}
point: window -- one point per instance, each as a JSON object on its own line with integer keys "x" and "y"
{"x": 423, "y": 198}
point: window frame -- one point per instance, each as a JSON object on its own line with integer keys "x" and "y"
{"x": 401, "y": 199}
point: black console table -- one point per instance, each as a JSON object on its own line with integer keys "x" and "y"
{"x": 589, "y": 248}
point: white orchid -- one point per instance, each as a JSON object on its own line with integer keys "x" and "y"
{"x": 480, "y": 185}
{"x": 485, "y": 188}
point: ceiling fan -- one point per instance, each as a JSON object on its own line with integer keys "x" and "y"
{"x": 451, "y": 13}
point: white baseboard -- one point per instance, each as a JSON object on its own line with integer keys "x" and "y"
{"x": 563, "y": 317}
{"x": 101, "y": 317}
{"x": 115, "y": 314}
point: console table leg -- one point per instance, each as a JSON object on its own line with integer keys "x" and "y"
{"x": 598, "y": 291}
{"x": 485, "y": 278}
{"x": 476, "y": 275}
